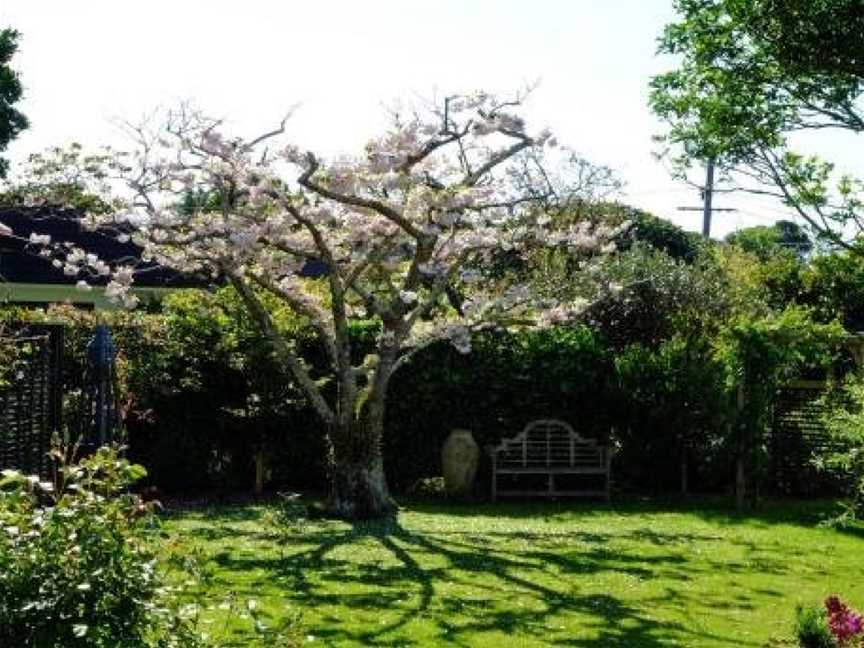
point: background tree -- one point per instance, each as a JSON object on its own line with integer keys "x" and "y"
{"x": 12, "y": 122}
{"x": 766, "y": 241}
{"x": 753, "y": 72}
{"x": 834, "y": 287}
{"x": 659, "y": 233}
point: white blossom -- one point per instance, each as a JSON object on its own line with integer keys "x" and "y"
{"x": 408, "y": 296}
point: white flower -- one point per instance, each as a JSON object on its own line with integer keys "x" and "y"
{"x": 460, "y": 338}
{"x": 407, "y": 296}
{"x": 114, "y": 290}
{"x": 5, "y": 230}
{"x": 124, "y": 275}
{"x": 40, "y": 239}
{"x": 83, "y": 286}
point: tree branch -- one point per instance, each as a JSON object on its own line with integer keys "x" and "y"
{"x": 355, "y": 201}
{"x": 280, "y": 346}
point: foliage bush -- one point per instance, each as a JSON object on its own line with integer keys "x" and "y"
{"x": 761, "y": 353}
{"x": 835, "y": 625}
{"x": 674, "y": 407}
{"x": 77, "y": 564}
{"x": 659, "y": 357}
{"x": 834, "y": 287}
{"x": 811, "y": 628}
{"x": 843, "y": 457}
{"x": 646, "y": 297}
{"x": 10, "y": 354}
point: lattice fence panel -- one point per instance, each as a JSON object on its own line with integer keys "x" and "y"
{"x": 797, "y": 435}
{"x": 30, "y": 403}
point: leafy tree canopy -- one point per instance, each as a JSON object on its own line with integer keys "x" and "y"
{"x": 766, "y": 241}
{"x": 12, "y": 122}
{"x": 750, "y": 73}
{"x": 753, "y": 70}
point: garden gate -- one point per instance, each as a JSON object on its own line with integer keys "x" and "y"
{"x": 31, "y": 399}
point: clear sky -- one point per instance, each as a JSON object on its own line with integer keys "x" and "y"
{"x": 85, "y": 63}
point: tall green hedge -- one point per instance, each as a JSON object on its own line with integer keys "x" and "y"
{"x": 506, "y": 381}
{"x": 201, "y": 394}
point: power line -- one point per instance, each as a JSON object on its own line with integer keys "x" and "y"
{"x": 707, "y": 208}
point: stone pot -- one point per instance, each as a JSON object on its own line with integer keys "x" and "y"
{"x": 459, "y": 457}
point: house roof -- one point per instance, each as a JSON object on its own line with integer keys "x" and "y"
{"x": 18, "y": 265}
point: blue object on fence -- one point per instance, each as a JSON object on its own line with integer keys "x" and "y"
{"x": 101, "y": 405}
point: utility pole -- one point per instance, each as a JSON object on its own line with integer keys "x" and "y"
{"x": 708, "y": 192}
{"x": 707, "y": 195}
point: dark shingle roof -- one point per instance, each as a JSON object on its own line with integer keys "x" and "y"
{"x": 63, "y": 225}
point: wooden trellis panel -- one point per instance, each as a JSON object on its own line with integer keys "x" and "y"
{"x": 30, "y": 404}
{"x": 797, "y": 434}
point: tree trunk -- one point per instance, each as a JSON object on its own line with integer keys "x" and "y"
{"x": 744, "y": 442}
{"x": 259, "y": 471}
{"x": 358, "y": 486}
{"x": 740, "y": 484}
{"x": 684, "y": 470}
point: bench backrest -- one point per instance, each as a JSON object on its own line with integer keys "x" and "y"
{"x": 549, "y": 443}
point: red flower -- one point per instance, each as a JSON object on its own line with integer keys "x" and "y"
{"x": 845, "y": 624}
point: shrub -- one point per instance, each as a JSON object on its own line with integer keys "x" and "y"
{"x": 844, "y": 456}
{"x": 8, "y": 356}
{"x": 811, "y": 628}
{"x": 846, "y": 625}
{"x": 832, "y": 626}
{"x": 672, "y": 410}
{"x": 77, "y": 568}
{"x": 760, "y": 353}
{"x": 202, "y": 396}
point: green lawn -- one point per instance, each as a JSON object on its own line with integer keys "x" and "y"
{"x": 526, "y": 574}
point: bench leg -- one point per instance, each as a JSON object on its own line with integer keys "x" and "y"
{"x": 608, "y": 487}
{"x": 551, "y": 484}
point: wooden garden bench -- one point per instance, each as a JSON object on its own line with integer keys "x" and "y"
{"x": 550, "y": 447}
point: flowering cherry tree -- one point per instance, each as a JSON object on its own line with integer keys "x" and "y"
{"x": 408, "y": 232}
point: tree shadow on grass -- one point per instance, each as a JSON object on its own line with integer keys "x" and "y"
{"x": 464, "y": 587}
{"x": 716, "y": 509}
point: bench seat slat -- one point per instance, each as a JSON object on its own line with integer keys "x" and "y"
{"x": 556, "y": 493}
{"x": 558, "y": 470}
